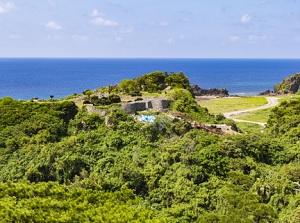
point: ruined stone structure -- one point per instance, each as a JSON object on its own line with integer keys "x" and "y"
{"x": 95, "y": 110}
{"x": 133, "y": 107}
{"x": 159, "y": 104}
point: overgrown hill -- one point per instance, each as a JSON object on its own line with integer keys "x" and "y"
{"x": 60, "y": 164}
{"x": 288, "y": 85}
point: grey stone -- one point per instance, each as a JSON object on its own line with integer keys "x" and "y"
{"x": 133, "y": 107}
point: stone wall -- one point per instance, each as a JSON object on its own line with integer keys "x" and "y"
{"x": 159, "y": 103}
{"x": 133, "y": 107}
{"x": 94, "y": 110}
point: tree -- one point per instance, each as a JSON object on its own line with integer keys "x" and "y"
{"x": 130, "y": 86}
{"x": 153, "y": 82}
{"x": 88, "y": 93}
{"x": 178, "y": 80}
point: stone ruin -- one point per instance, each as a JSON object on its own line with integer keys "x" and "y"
{"x": 95, "y": 110}
{"x": 133, "y": 107}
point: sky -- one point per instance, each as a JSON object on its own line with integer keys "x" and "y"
{"x": 150, "y": 29}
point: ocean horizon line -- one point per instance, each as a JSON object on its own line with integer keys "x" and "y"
{"x": 25, "y": 78}
{"x": 158, "y": 58}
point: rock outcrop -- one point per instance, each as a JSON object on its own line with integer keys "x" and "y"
{"x": 288, "y": 85}
{"x": 268, "y": 93}
{"x": 197, "y": 91}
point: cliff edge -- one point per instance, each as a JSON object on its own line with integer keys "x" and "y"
{"x": 288, "y": 85}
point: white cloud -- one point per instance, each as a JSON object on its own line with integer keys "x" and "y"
{"x": 7, "y": 7}
{"x": 163, "y": 23}
{"x": 95, "y": 13}
{"x": 245, "y": 19}
{"x": 100, "y": 21}
{"x": 53, "y": 25}
{"x": 79, "y": 38}
{"x": 256, "y": 38}
{"x": 233, "y": 38}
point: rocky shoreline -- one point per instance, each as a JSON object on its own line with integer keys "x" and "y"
{"x": 197, "y": 91}
{"x": 289, "y": 85}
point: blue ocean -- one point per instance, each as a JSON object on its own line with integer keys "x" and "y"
{"x": 30, "y": 78}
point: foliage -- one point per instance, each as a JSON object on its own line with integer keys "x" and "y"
{"x": 32, "y": 122}
{"x": 81, "y": 167}
{"x": 111, "y": 99}
{"x": 51, "y": 202}
{"x": 285, "y": 117}
{"x": 178, "y": 80}
{"x": 183, "y": 101}
{"x": 130, "y": 86}
{"x": 87, "y": 92}
{"x": 154, "y": 82}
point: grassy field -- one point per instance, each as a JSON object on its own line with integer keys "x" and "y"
{"x": 221, "y": 105}
{"x": 288, "y": 97}
{"x": 256, "y": 116}
{"x": 263, "y": 115}
{"x": 247, "y": 128}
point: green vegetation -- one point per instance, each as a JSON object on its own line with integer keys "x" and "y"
{"x": 60, "y": 164}
{"x": 95, "y": 100}
{"x": 154, "y": 82}
{"x": 249, "y": 128}
{"x": 257, "y": 116}
{"x": 130, "y": 86}
{"x": 288, "y": 97}
{"x": 221, "y": 105}
{"x": 52, "y": 202}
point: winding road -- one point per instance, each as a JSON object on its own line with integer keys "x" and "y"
{"x": 272, "y": 102}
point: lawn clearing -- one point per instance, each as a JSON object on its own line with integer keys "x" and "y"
{"x": 248, "y": 128}
{"x": 256, "y": 116}
{"x": 229, "y": 104}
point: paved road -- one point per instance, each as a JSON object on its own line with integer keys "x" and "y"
{"x": 272, "y": 102}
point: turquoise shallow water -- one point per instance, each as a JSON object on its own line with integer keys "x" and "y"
{"x": 28, "y": 78}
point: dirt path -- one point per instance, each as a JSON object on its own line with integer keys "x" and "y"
{"x": 272, "y": 102}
